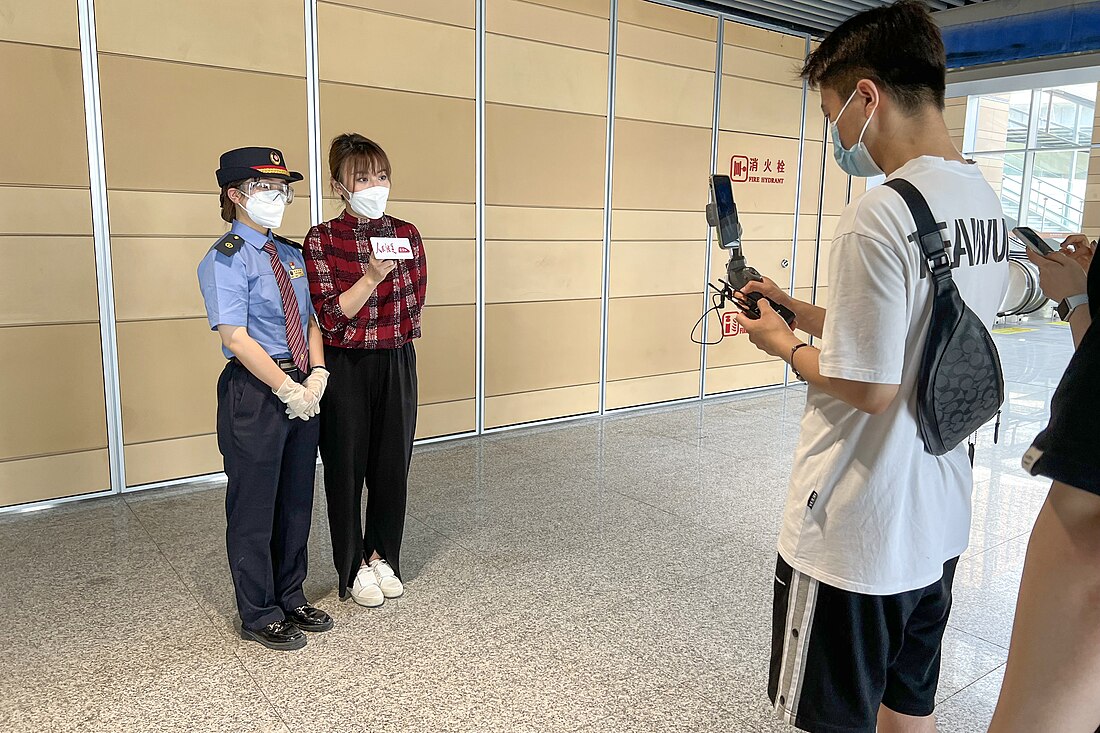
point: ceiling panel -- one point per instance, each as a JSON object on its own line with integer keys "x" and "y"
{"x": 815, "y": 17}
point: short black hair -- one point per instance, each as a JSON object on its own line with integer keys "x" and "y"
{"x": 898, "y": 47}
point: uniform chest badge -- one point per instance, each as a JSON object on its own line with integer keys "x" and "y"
{"x": 296, "y": 272}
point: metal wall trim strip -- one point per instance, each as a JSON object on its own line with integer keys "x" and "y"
{"x": 609, "y": 162}
{"x": 479, "y": 215}
{"x": 313, "y": 114}
{"x": 101, "y": 234}
{"x": 798, "y": 196}
{"x": 716, "y": 121}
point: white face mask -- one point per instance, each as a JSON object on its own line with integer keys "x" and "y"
{"x": 370, "y": 203}
{"x": 266, "y": 208}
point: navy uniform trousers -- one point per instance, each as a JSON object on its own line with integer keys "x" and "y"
{"x": 270, "y": 461}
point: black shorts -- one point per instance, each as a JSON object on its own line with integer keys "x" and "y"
{"x": 1066, "y": 450}
{"x": 837, "y": 655}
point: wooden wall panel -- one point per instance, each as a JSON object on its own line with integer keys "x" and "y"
{"x": 761, "y": 65}
{"x": 543, "y": 224}
{"x": 31, "y": 211}
{"x": 541, "y": 345}
{"x": 650, "y": 335}
{"x": 533, "y": 74}
{"x": 535, "y": 271}
{"x": 44, "y": 112}
{"x": 164, "y": 460}
{"x": 764, "y": 170}
{"x": 651, "y": 15}
{"x": 445, "y": 357}
{"x": 761, "y": 107}
{"x": 164, "y": 394}
{"x": 207, "y": 32}
{"x": 651, "y": 390}
{"x": 420, "y": 109}
{"x": 51, "y": 280}
{"x": 536, "y": 22}
{"x": 393, "y": 62}
{"x": 745, "y": 376}
{"x": 42, "y": 22}
{"x": 429, "y": 140}
{"x": 165, "y": 214}
{"x": 662, "y": 159}
{"x": 145, "y": 109}
{"x": 446, "y": 418}
{"x": 544, "y": 404}
{"x": 58, "y": 406}
{"x": 760, "y": 39}
{"x": 54, "y": 477}
{"x": 657, "y": 268}
{"x": 680, "y": 154}
{"x": 686, "y": 96}
{"x": 451, "y": 12}
{"x": 451, "y": 272}
{"x": 546, "y": 130}
{"x": 646, "y": 225}
{"x": 666, "y": 47}
{"x": 595, "y": 8}
{"x": 565, "y": 169}
{"x": 155, "y": 277}
{"x": 53, "y": 428}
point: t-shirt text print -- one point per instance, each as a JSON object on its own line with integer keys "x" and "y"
{"x": 975, "y": 242}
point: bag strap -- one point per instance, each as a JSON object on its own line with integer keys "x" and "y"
{"x": 928, "y": 232}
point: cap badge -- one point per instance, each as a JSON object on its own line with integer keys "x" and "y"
{"x": 275, "y": 158}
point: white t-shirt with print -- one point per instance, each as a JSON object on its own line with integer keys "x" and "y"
{"x": 886, "y": 514}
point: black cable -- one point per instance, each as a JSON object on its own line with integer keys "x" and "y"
{"x": 718, "y": 302}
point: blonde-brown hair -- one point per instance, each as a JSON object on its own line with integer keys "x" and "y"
{"x": 351, "y": 153}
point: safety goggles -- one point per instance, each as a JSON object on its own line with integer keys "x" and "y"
{"x": 253, "y": 187}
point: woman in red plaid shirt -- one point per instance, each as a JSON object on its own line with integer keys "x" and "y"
{"x": 369, "y": 310}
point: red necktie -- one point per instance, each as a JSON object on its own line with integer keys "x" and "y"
{"x": 295, "y": 339}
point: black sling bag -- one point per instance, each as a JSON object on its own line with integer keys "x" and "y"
{"x": 960, "y": 386}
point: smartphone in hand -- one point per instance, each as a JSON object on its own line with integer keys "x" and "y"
{"x": 1033, "y": 241}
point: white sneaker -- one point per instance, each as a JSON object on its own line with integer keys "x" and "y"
{"x": 387, "y": 581}
{"x": 365, "y": 590}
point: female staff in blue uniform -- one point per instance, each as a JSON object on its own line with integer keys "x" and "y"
{"x": 257, "y": 299}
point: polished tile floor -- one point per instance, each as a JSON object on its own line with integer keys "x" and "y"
{"x": 607, "y": 575}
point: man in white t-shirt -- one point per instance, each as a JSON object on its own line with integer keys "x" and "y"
{"x": 874, "y": 524}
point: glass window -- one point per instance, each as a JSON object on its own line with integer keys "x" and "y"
{"x": 1056, "y": 199}
{"x": 1033, "y": 148}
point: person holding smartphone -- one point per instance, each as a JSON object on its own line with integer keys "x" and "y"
{"x": 1054, "y": 657}
{"x": 369, "y": 310}
{"x": 874, "y": 523}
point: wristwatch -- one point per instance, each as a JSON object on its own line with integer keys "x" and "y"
{"x": 1070, "y": 304}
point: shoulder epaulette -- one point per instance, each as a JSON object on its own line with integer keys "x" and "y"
{"x": 229, "y": 244}
{"x": 284, "y": 240}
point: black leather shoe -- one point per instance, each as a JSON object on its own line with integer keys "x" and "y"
{"x": 278, "y": 635}
{"x": 308, "y": 618}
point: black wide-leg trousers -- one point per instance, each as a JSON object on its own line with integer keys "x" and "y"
{"x": 271, "y": 462}
{"x": 368, "y": 420}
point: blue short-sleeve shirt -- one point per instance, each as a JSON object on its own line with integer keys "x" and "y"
{"x": 241, "y": 290}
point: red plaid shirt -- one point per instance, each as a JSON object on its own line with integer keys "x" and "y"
{"x": 337, "y": 253}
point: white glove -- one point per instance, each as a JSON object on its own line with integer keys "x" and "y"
{"x": 300, "y": 402}
{"x": 317, "y": 381}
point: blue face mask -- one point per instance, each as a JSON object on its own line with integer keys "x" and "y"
{"x": 855, "y": 161}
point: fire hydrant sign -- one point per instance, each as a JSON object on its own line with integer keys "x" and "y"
{"x": 391, "y": 248}
{"x": 745, "y": 169}
{"x": 730, "y": 326}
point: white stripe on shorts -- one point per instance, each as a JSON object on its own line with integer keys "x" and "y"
{"x": 801, "y": 604}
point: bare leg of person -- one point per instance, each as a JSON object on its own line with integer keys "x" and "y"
{"x": 1052, "y": 681}
{"x": 893, "y": 722}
